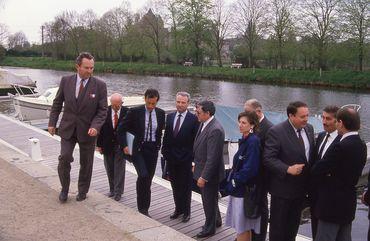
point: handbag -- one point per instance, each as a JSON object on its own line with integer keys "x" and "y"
{"x": 251, "y": 201}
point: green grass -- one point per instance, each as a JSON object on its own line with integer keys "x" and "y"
{"x": 341, "y": 78}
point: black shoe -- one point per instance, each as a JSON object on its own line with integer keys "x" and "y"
{"x": 80, "y": 197}
{"x": 218, "y": 224}
{"x": 117, "y": 197}
{"x": 111, "y": 194}
{"x": 185, "y": 218}
{"x": 63, "y": 196}
{"x": 175, "y": 215}
{"x": 205, "y": 234}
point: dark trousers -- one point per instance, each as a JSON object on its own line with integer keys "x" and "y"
{"x": 368, "y": 233}
{"x": 210, "y": 206}
{"x": 314, "y": 223}
{"x": 149, "y": 154}
{"x": 115, "y": 165}
{"x": 285, "y": 216}
{"x": 181, "y": 178}
{"x": 333, "y": 232}
{"x": 264, "y": 220}
{"x": 86, "y": 163}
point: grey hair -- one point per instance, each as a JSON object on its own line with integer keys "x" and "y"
{"x": 84, "y": 55}
{"x": 115, "y": 95}
{"x": 254, "y": 103}
{"x": 184, "y": 94}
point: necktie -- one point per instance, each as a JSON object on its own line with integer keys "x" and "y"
{"x": 177, "y": 126}
{"x": 301, "y": 142}
{"x": 323, "y": 145}
{"x": 115, "y": 120}
{"x": 149, "y": 128}
{"x": 81, "y": 87}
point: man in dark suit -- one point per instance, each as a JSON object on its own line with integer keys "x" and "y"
{"x": 324, "y": 141}
{"x": 366, "y": 200}
{"x": 108, "y": 145}
{"x": 287, "y": 153}
{"x": 209, "y": 167}
{"x": 85, "y": 110}
{"x": 177, "y": 149}
{"x": 264, "y": 125}
{"x": 146, "y": 123}
{"x": 340, "y": 169}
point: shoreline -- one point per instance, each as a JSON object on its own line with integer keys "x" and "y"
{"x": 338, "y": 80}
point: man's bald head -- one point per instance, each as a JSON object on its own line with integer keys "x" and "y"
{"x": 253, "y": 105}
{"x": 116, "y": 101}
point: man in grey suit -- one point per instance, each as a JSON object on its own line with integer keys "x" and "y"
{"x": 209, "y": 168}
{"x": 85, "y": 109}
{"x": 264, "y": 125}
{"x": 288, "y": 151}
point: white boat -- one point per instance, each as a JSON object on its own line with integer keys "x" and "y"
{"x": 37, "y": 107}
{"x": 25, "y": 85}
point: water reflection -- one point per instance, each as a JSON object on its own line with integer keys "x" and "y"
{"x": 273, "y": 98}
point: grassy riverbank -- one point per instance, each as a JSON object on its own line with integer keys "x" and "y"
{"x": 343, "y": 79}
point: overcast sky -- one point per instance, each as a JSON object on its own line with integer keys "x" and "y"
{"x": 29, "y": 15}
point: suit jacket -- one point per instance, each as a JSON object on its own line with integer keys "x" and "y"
{"x": 208, "y": 153}
{"x": 88, "y": 111}
{"x": 315, "y": 181}
{"x": 263, "y": 128}
{"x": 180, "y": 148}
{"x": 107, "y": 138}
{"x": 134, "y": 122}
{"x": 340, "y": 169}
{"x": 282, "y": 149}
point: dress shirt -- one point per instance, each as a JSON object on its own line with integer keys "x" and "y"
{"x": 154, "y": 124}
{"x": 330, "y": 140}
{"x": 351, "y": 133}
{"x": 305, "y": 140}
{"x": 263, "y": 117}
{"x": 206, "y": 123}
{"x": 112, "y": 116}
{"x": 78, "y": 82}
{"x": 183, "y": 114}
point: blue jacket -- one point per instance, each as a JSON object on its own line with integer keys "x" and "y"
{"x": 246, "y": 163}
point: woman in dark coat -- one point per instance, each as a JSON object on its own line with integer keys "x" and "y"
{"x": 245, "y": 170}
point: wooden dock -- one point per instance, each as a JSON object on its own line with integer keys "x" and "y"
{"x": 17, "y": 133}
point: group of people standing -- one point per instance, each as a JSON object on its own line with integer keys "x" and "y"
{"x": 285, "y": 160}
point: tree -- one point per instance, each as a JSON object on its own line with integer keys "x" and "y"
{"x": 282, "y": 25}
{"x": 220, "y": 26}
{"x": 356, "y": 23}
{"x": 3, "y": 33}
{"x": 118, "y": 21}
{"x": 318, "y": 19}
{"x": 250, "y": 22}
{"x": 17, "y": 41}
{"x": 194, "y": 21}
{"x": 152, "y": 27}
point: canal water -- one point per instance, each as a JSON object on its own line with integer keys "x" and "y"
{"x": 272, "y": 97}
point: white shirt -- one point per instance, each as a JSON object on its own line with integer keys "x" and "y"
{"x": 305, "y": 140}
{"x": 207, "y": 122}
{"x": 181, "y": 120}
{"x": 263, "y": 117}
{"x": 351, "y": 133}
{"x": 78, "y": 82}
{"x": 154, "y": 124}
{"x": 113, "y": 117}
{"x": 330, "y": 140}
